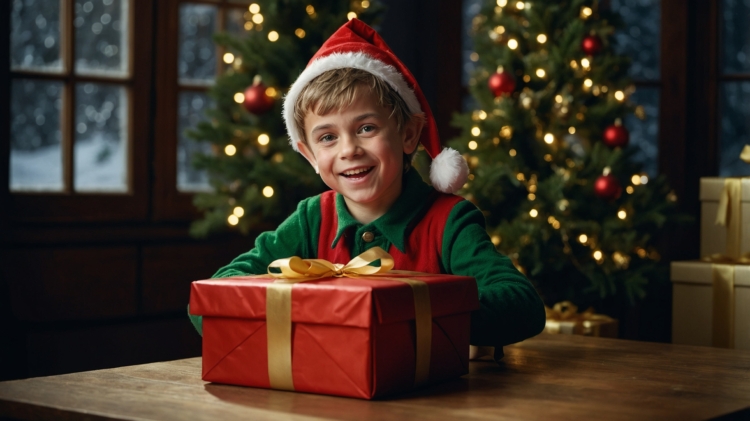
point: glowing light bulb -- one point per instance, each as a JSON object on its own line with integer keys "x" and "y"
{"x": 475, "y": 131}
{"x": 571, "y": 130}
{"x": 365, "y": 4}
{"x": 271, "y": 91}
{"x": 586, "y": 12}
{"x": 533, "y": 213}
{"x": 496, "y": 239}
{"x": 310, "y": 9}
{"x": 598, "y": 255}
{"x": 233, "y": 219}
{"x": 512, "y": 152}
{"x": 351, "y": 15}
{"x": 299, "y": 32}
{"x": 558, "y": 99}
{"x": 585, "y": 63}
{"x": 629, "y": 189}
{"x": 258, "y": 18}
{"x": 228, "y": 58}
{"x": 238, "y": 211}
{"x": 622, "y": 214}
{"x": 268, "y": 191}
{"x": 473, "y": 145}
{"x": 644, "y": 179}
{"x": 541, "y": 38}
{"x": 230, "y": 150}
{"x": 254, "y": 8}
{"x": 263, "y": 139}
{"x": 273, "y": 36}
{"x": 502, "y": 3}
{"x": 549, "y": 138}
{"x": 619, "y": 95}
{"x": 540, "y": 72}
{"x": 500, "y": 29}
{"x": 512, "y": 44}
{"x": 588, "y": 83}
{"x": 520, "y": 5}
{"x": 239, "y": 97}
{"x": 482, "y": 115}
{"x": 583, "y": 238}
{"x": 636, "y": 180}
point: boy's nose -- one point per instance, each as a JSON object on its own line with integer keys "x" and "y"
{"x": 350, "y": 146}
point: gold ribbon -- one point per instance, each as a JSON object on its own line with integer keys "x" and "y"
{"x": 729, "y": 214}
{"x": 565, "y": 311}
{"x": 722, "y": 333}
{"x": 293, "y": 270}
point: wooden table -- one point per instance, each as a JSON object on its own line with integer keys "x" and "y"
{"x": 557, "y": 377}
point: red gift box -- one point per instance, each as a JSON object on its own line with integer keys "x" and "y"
{"x": 350, "y": 336}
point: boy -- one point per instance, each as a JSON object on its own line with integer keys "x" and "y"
{"x": 357, "y": 115}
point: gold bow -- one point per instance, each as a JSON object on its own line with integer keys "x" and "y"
{"x": 729, "y": 214}
{"x": 585, "y": 323}
{"x": 745, "y": 154}
{"x": 294, "y": 270}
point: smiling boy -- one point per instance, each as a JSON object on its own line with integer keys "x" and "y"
{"x": 358, "y": 116}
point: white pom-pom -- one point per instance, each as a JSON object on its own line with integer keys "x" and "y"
{"x": 448, "y": 171}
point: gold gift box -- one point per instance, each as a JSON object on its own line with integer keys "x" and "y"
{"x": 564, "y": 318}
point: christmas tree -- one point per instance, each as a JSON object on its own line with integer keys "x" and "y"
{"x": 549, "y": 157}
{"x": 256, "y": 177}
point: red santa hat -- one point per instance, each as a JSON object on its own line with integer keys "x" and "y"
{"x": 356, "y": 45}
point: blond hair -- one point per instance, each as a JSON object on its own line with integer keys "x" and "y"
{"x": 337, "y": 89}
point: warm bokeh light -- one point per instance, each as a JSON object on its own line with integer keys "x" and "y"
{"x": 310, "y": 9}
{"x": 473, "y": 145}
{"x": 583, "y": 238}
{"x": 238, "y": 211}
{"x": 230, "y": 150}
{"x": 586, "y": 12}
{"x": 520, "y": 5}
{"x": 271, "y": 91}
{"x": 622, "y": 214}
{"x": 512, "y": 44}
{"x": 502, "y": 3}
{"x": 258, "y": 18}
{"x": 263, "y": 139}
{"x": 482, "y": 115}
{"x": 619, "y": 95}
{"x": 558, "y": 99}
{"x": 629, "y": 189}
{"x": 598, "y": 255}
{"x": 365, "y": 4}
{"x": 273, "y": 36}
{"x": 228, "y": 58}
{"x": 541, "y": 38}
{"x": 512, "y": 152}
{"x": 254, "y": 8}
{"x": 268, "y": 191}
{"x": 571, "y": 130}
{"x": 541, "y": 72}
{"x": 644, "y": 179}
{"x": 636, "y": 180}
{"x": 549, "y": 138}
{"x": 496, "y": 239}
{"x": 585, "y": 63}
{"x": 474, "y": 57}
{"x": 588, "y": 83}
{"x": 475, "y": 131}
{"x": 500, "y": 29}
{"x": 239, "y": 97}
{"x": 351, "y": 15}
{"x": 533, "y": 213}
{"x": 233, "y": 219}
{"x": 299, "y": 32}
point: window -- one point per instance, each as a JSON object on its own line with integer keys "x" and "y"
{"x": 186, "y": 72}
{"x": 69, "y": 98}
{"x": 734, "y": 86}
{"x": 73, "y": 128}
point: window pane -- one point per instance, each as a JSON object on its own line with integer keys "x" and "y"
{"x": 735, "y": 133}
{"x": 197, "y": 55}
{"x": 236, "y": 20}
{"x": 644, "y": 134}
{"x": 735, "y": 36}
{"x": 639, "y": 38}
{"x": 470, "y": 9}
{"x": 101, "y": 138}
{"x": 101, "y": 36}
{"x": 35, "y": 136}
{"x": 35, "y": 35}
{"x": 191, "y": 108}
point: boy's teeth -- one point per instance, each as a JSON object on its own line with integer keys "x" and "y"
{"x": 357, "y": 171}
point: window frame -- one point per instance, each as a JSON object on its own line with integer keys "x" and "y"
{"x": 70, "y": 205}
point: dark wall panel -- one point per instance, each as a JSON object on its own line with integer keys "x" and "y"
{"x": 60, "y": 284}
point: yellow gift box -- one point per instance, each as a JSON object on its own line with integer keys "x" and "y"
{"x": 564, "y": 318}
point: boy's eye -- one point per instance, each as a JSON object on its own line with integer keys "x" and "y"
{"x": 326, "y": 138}
{"x": 367, "y": 129}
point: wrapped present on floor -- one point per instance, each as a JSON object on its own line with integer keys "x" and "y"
{"x": 564, "y": 317}
{"x": 711, "y": 304}
{"x": 725, "y": 216}
{"x": 358, "y": 330}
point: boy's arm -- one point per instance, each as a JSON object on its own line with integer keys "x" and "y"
{"x": 296, "y": 236}
{"x": 510, "y": 308}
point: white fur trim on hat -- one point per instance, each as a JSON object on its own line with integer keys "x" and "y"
{"x": 356, "y": 60}
{"x": 448, "y": 171}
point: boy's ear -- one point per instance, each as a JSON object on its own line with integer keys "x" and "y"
{"x": 412, "y": 132}
{"x": 307, "y": 153}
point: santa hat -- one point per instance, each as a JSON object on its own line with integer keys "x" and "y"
{"x": 356, "y": 45}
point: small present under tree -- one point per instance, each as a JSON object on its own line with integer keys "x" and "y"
{"x": 256, "y": 177}
{"x": 549, "y": 157}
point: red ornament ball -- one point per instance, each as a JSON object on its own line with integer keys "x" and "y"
{"x": 256, "y": 99}
{"x": 501, "y": 83}
{"x": 607, "y": 187}
{"x": 591, "y": 45}
{"x": 616, "y": 136}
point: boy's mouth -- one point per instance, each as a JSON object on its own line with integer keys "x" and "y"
{"x": 357, "y": 172}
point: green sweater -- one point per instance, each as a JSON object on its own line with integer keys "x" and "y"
{"x": 510, "y": 309}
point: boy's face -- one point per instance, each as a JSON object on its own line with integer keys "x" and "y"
{"x": 359, "y": 152}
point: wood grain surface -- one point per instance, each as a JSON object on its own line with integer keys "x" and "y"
{"x": 556, "y": 377}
